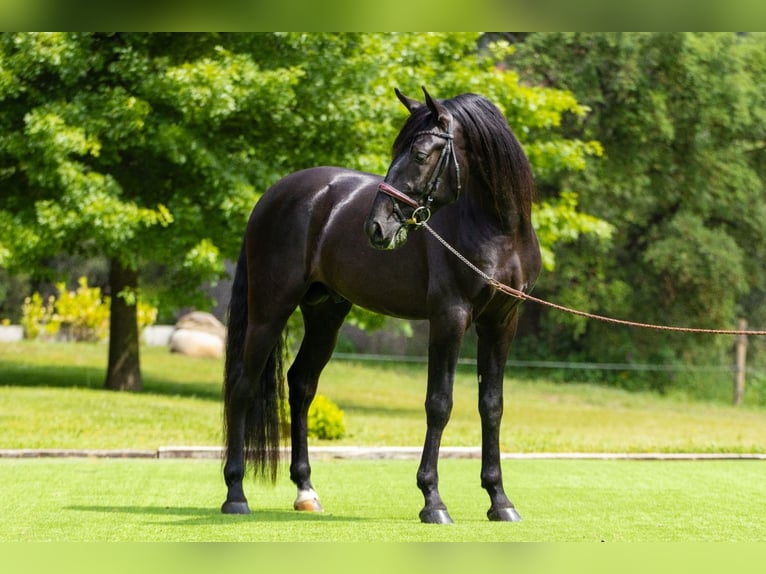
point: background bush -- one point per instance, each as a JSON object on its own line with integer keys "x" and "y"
{"x": 325, "y": 419}
{"x": 80, "y": 315}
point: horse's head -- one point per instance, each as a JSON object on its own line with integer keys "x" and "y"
{"x": 424, "y": 175}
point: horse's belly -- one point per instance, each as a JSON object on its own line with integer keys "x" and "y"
{"x": 388, "y": 282}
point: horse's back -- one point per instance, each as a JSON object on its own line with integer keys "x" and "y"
{"x": 308, "y": 183}
{"x": 292, "y": 218}
{"x": 290, "y": 204}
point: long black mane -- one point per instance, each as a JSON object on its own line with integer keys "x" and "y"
{"x": 494, "y": 154}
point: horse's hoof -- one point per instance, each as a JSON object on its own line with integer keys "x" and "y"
{"x": 435, "y": 516}
{"x": 307, "y": 501}
{"x": 232, "y": 507}
{"x": 507, "y": 514}
{"x": 308, "y": 506}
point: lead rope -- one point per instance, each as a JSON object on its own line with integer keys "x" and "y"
{"x": 526, "y": 297}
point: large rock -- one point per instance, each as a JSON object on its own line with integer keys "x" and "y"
{"x": 198, "y": 334}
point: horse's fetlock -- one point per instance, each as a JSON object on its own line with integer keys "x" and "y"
{"x": 426, "y": 479}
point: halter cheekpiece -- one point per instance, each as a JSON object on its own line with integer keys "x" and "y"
{"x": 422, "y": 209}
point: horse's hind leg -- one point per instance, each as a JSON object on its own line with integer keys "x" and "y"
{"x": 322, "y": 321}
{"x": 234, "y": 468}
{"x": 494, "y": 344}
{"x": 260, "y": 341}
{"x": 258, "y": 315}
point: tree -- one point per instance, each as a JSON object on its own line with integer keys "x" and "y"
{"x": 150, "y": 149}
{"x": 117, "y": 145}
{"x": 681, "y": 119}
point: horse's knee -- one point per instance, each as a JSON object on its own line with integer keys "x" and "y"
{"x": 438, "y": 409}
{"x": 491, "y": 407}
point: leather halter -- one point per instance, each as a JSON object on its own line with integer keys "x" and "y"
{"x": 422, "y": 209}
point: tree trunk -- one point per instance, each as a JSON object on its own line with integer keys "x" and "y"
{"x": 124, "y": 370}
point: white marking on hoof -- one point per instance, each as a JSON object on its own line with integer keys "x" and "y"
{"x": 307, "y": 500}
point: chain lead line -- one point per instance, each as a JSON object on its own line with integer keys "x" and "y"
{"x": 524, "y": 296}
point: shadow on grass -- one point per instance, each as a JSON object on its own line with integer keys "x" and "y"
{"x": 199, "y": 516}
{"x": 174, "y": 376}
{"x": 92, "y": 378}
{"x": 87, "y": 377}
{"x": 22, "y": 375}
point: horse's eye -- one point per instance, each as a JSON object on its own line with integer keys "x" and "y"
{"x": 420, "y": 157}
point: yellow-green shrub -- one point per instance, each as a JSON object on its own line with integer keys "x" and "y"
{"x": 83, "y": 314}
{"x": 80, "y": 315}
{"x": 35, "y": 314}
{"x": 325, "y": 419}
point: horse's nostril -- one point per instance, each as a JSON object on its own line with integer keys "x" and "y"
{"x": 377, "y": 231}
{"x": 374, "y": 231}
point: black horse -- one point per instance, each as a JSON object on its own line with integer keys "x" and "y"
{"x": 326, "y": 238}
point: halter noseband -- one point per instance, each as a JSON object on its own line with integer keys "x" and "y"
{"x": 422, "y": 211}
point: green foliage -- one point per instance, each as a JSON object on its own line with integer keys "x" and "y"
{"x": 559, "y": 221}
{"x": 80, "y": 315}
{"x": 325, "y": 419}
{"x": 681, "y": 120}
{"x": 700, "y": 263}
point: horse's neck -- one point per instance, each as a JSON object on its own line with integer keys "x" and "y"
{"x": 483, "y": 210}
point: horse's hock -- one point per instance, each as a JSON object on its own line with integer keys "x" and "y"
{"x": 198, "y": 334}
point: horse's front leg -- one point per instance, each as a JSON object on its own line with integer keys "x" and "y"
{"x": 446, "y": 336}
{"x": 494, "y": 343}
{"x": 302, "y": 391}
{"x": 322, "y": 322}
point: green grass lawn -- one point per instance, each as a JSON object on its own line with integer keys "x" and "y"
{"x": 51, "y": 396}
{"x": 377, "y": 501}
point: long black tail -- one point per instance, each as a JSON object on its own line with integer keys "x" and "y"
{"x": 259, "y": 401}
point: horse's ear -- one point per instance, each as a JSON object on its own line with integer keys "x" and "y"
{"x": 409, "y": 103}
{"x": 443, "y": 117}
